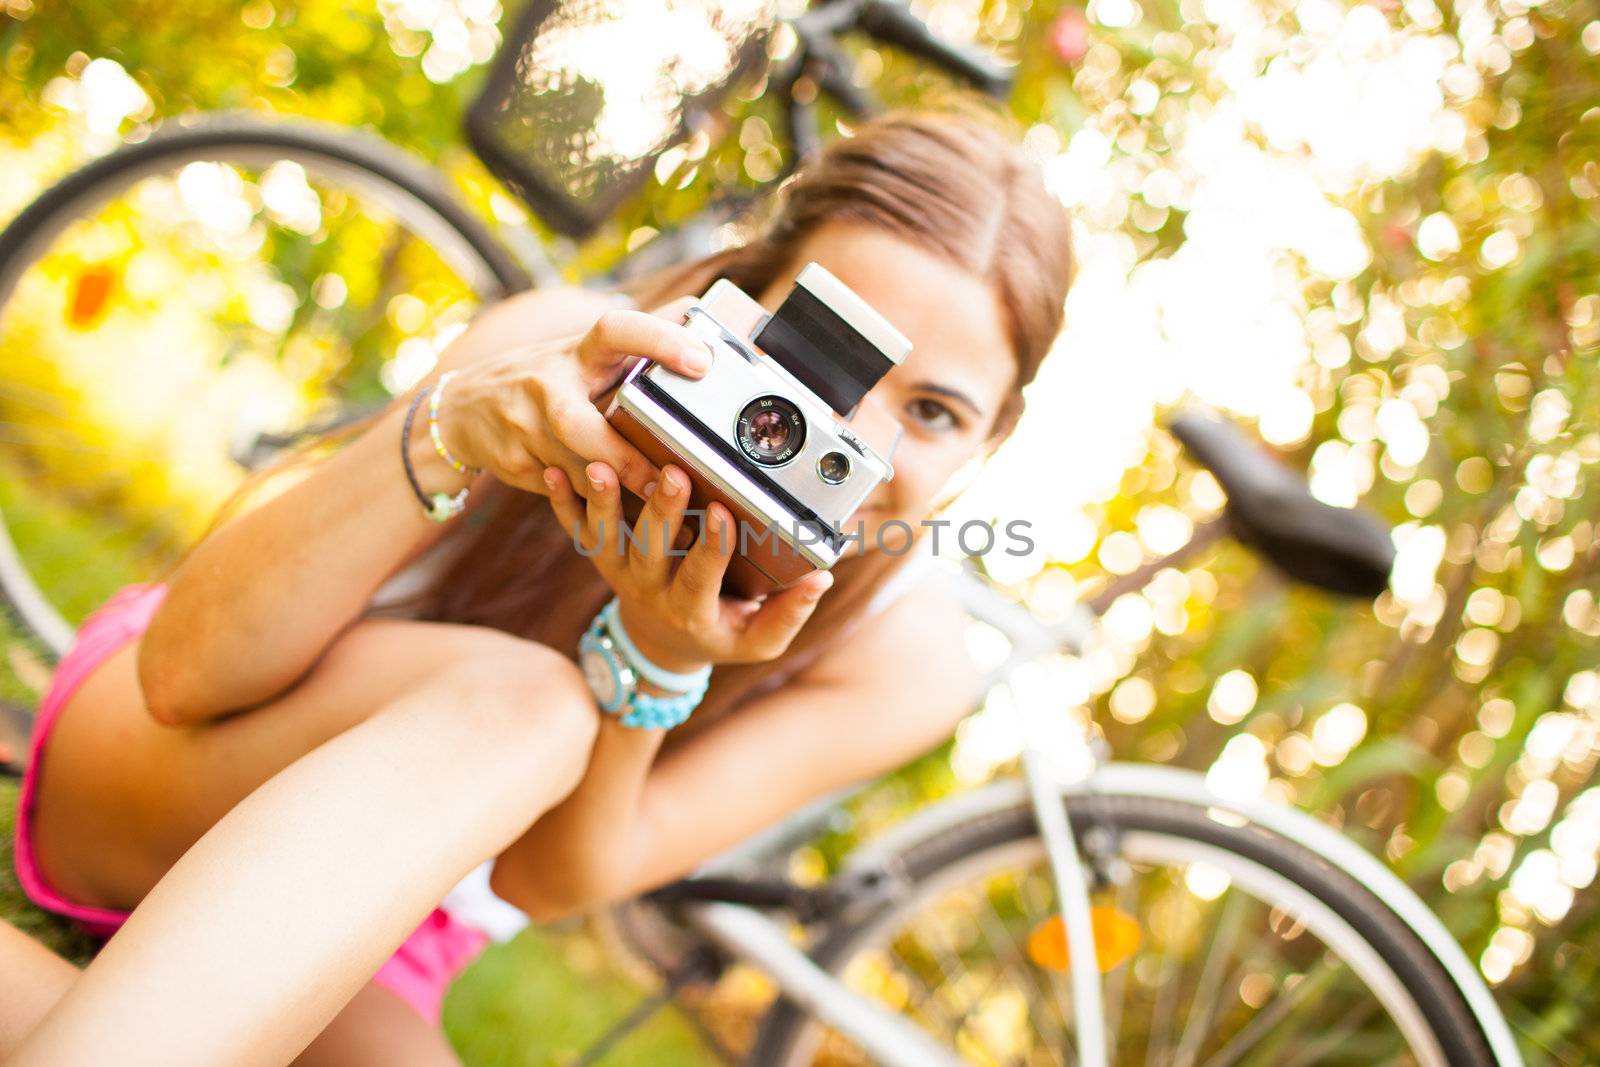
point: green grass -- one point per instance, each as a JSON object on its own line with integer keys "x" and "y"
{"x": 546, "y": 996}
{"x": 78, "y": 557}
{"x": 16, "y": 909}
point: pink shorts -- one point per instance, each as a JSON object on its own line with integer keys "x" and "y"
{"x": 419, "y": 972}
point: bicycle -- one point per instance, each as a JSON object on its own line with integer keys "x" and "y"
{"x": 1161, "y": 850}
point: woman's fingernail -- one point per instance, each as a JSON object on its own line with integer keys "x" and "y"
{"x": 550, "y": 477}
{"x": 697, "y": 357}
{"x": 670, "y": 482}
{"x": 594, "y": 481}
{"x": 650, "y": 487}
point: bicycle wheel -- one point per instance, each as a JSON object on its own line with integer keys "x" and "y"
{"x": 1250, "y": 950}
{"x": 173, "y": 312}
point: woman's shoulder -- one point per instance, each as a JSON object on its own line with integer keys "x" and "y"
{"x": 916, "y": 636}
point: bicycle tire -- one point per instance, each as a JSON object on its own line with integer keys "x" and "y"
{"x": 787, "y": 1033}
{"x": 392, "y": 176}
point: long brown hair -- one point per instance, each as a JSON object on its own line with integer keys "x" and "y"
{"x": 953, "y": 181}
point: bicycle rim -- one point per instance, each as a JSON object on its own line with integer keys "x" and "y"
{"x": 172, "y": 312}
{"x": 1241, "y": 959}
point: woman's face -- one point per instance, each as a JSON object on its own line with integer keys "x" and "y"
{"x": 946, "y": 393}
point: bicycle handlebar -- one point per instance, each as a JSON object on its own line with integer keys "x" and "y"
{"x": 893, "y": 23}
{"x": 819, "y": 57}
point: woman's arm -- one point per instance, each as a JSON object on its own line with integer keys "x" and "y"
{"x": 575, "y": 846}
{"x": 257, "y": 602}
{"x": 866, "y": 707}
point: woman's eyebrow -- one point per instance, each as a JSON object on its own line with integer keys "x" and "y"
{"x": 954, "y": 394}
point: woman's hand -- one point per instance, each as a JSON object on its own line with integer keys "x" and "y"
{"x": 675, "y": 613}
{"x": 520, "y": 407}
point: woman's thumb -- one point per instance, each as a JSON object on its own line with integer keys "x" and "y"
{"x": 782, "y": 614}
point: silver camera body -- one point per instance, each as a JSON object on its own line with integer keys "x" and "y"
{"x": 765, "y": 430}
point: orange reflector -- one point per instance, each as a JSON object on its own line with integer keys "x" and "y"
{"x": 90, "y": 293}
{"x": 1116, "y": 937}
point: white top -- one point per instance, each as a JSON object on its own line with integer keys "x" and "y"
{"x": 903, "y": 580}
{"x": 414, "y": 576}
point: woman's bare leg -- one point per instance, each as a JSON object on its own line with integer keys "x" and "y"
{"x": 32, "y": 979}
{"x": 284, "y": 909}
{"x": 121, "y": 797}
{"x": 378, "y": 1027}
{"x": 375, "y": 1027}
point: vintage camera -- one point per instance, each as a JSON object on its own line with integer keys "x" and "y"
{"x": 779, "y": 429}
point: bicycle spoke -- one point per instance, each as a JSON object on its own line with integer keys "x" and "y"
{"x": 950, "y": 960}
{"x": 977, "y": 1003}
{"x": 1035, "y": 992}
{"x": 1266, "y": 1020}
{"x": 929, "y": 997}
{"x": 1166, "y": 1004}
{"x": 1314, "y": 1049}
{"x": 1226, "y": 928}
{"x": 1117, "y": 993}
{"x": 932, "y": 999}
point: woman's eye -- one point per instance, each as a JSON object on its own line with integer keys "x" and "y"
{"x": 933, "y": 414}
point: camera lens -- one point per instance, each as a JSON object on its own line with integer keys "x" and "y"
{"x": 770, "y": 430}
{"x": 833, "y": 467}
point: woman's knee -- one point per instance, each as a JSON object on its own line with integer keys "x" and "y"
{"x": 530, "y": 698}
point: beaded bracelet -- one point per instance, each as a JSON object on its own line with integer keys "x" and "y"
{"x": 433, "y": 428}
{"x": 440, "y": 506}
{"x": 662, "y": 713}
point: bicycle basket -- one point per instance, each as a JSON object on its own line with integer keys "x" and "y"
{"x": 584, "y": 95}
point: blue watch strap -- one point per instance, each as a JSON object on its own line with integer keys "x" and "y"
{"x": 680, "y": 682}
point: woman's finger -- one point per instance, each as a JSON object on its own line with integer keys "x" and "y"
{"x": 544, "y": 452}
{"x": 576, "y": 429}
{"x": 769, "y": 630}
{"x": 568, "y": 507}
{"x": 605, "y": 515}
{"x": 650, "y": 554}
{"x": 698, "y": 581}
{"x": 622, "y": 333}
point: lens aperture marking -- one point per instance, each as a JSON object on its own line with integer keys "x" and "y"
{"x": 770, "y": 430}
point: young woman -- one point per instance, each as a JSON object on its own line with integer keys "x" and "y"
{"x": 431, "y": 732}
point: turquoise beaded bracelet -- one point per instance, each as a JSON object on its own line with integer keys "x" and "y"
{"x": 661, "y": 713}
{"x": 647, "y": 711}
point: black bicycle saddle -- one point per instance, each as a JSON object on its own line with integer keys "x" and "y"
{"x": 1343, "y": 550}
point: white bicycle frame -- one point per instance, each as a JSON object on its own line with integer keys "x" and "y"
{"x": 893, "y": 1040}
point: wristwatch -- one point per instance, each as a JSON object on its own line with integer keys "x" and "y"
{"x": 614, "y": 668}
{"x": 608, "y": 674}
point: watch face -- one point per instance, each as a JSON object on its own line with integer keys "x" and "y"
{"x": 600, "y": 670}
